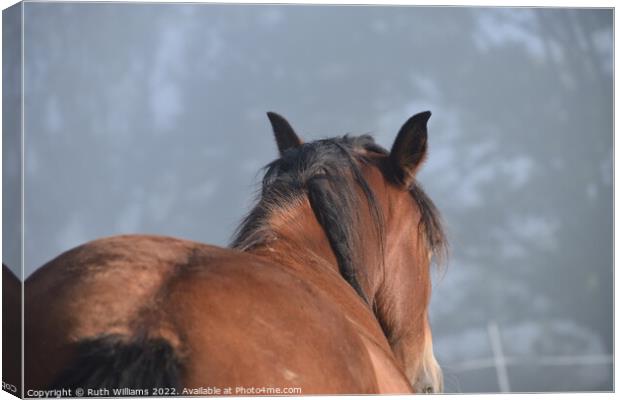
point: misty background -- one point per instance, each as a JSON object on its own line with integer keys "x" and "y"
{"x": 150, "y": 118}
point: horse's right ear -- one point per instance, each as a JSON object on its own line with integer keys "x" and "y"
{"x": 286, "y": 138}
{"x": 409, "y": 149}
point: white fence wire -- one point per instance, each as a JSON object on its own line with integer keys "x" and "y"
{"x": 499, "y": 361}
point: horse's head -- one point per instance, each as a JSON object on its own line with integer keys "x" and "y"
{"x": 382, "y": 228}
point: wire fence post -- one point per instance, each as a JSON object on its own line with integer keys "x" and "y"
{"x": 499, "y": 359}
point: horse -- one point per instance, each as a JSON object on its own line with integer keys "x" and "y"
{"x": 324, "y": 289}
{"x": 11, "y": 332}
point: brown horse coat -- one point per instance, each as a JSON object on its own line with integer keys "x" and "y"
{"x": 257, "y": 323}
{"x": 11, "y": 331}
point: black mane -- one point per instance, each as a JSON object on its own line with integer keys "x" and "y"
{"x": 328, "y": 172}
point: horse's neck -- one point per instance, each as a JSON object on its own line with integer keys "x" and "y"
{"x": 296, "y": 239}
{"x": 403, "y": 297}
{"x": 297, "y": 242}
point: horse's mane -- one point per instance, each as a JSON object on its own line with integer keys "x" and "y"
{"x": 328, "y": 172}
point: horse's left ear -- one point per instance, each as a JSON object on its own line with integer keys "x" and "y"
{"x": 286, "y": 138}
{"x": 409, "y": 149}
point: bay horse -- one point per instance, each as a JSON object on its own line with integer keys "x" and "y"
{"x": 325, "y": 288}
{"x": 11, "y": 332}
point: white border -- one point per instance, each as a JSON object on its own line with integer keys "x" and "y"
{"x": 478, "y": 3}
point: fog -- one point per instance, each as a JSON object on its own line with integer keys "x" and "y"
{"x": 150, "y": 118}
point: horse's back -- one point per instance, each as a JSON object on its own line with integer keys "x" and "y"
{"x": 104, "y": 287}
{"x": 230, "y": 318}
{"x": 265, "y": 328}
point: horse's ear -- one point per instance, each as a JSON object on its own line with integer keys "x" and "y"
{"x": 409, "y": 149}
{"x": 286, "y": 138}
